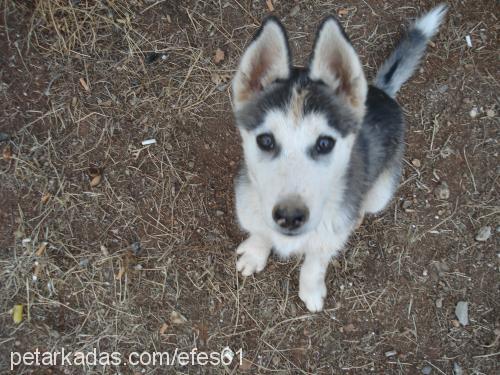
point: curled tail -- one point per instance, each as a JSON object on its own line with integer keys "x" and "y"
{"x": 399, "y": 67}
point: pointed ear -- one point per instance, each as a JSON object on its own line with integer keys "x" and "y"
{"x": 335, "y": 62}
{"x": 266, "y": 59}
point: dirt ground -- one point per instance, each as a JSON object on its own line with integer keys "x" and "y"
{"x": 113, "y": 245}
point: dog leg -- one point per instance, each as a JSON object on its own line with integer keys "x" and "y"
{"x": 253, "y": 252}
{"x": 312, "y": 288}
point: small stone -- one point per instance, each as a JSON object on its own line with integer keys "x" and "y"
{"x": 490, "y": 113}
{"x": 416, "y": 163}
{"x": 426, "y": 370}
{"x": 4, "y": 137}
{"x": 457, "y": 369}
{"x": 406, "y": 205}
{"x": 462, "y": 312}
{"x": 439, "y": 303}
{"x": 219, "y": 213}
{"x": 295, "y": 10}
{"x": 442, "y": 191}
{"x": 455, "y": 323}
{"x": 136, "y": 248}
{"x": 473, "y": 112}
{"x": 390, "y": 353}
{"x": 84, "y": 262}
{"x": 442, "y": 89}
{"x": 483, "y": 234}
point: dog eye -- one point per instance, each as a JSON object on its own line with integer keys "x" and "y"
{"x": 266, "y": 142}
{"x": 324, "y": 145}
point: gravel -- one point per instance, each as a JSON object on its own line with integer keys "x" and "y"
{"x": 483, "y": 234}
{"x": 462, "y": 312}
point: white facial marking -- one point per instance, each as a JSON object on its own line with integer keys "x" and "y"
{"x": 293, "y": 172}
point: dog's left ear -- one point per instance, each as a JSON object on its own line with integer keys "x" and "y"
{"x": 335, "y": 62}
{"x": 265, "y": 60}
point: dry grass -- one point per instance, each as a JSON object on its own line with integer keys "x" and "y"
{"x": 83, "y": 83}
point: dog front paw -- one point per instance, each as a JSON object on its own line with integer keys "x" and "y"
{"x": 253, "y": 257}
{"x": 313, "y": 296}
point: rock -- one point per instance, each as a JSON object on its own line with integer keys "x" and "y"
{"x": 84, "y": 262}
{"x": 442, "y": 89}
{"x": 390, "y": 353}
{"x": 295, "y": 10}
{"x": 426, "y": 370}
{"x": 473, "y": 112}
{"x": 462, "y": 312}
{"x": 219, "y": 213}
{"x": 416, "y": 163}
{"x": 457, "y": 369}
{"x": 439, "y": 303}
{"x": 483, "y": 234}
{"x": 136, "y": 248}
{"x": 4, "y": 137}
{"x": 442, "y": 191}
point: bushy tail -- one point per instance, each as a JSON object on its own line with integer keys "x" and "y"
{"x": 399, "y": 67}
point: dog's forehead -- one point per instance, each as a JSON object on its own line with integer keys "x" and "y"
{"x": 297, "y": 102}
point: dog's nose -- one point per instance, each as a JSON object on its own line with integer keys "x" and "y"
{"x": 290, "y": 214}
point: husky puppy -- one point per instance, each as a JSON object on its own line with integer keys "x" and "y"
{"x": 321, "y": 147}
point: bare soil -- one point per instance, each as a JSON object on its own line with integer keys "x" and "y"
{"x": 83, "y": 83}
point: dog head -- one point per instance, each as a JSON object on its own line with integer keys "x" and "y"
{"x": 298, "y": 125}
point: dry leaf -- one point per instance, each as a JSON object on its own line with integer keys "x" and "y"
{"x": 163, "y": 328}
{"x": 219, "y": 56}
{"x": 177, "y": 318}
{"x": 96, "y": 180}
{"x": 17, "y": 314}
{"x": 41, "y": 249}
{"x": 342, "y": 12}
{"x": 45, "y": 198}
{"x": 84, "y": 84}
{"x": 7, "y": 152}
{"x": 270, "y": 5}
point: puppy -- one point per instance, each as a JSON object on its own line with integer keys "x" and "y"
{"x": 322, "y": 148}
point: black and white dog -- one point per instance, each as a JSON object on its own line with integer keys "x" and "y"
{"x": 321, "y": 147}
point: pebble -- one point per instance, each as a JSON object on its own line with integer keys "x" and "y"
{"x": 136, "y": 248}
{"x": 462, "y": 312}
{"x": 426, "y": 370}
{"x": 391, "y": 353}
{"x": 442, "y": 191}
{"x": 439, "y": 303}
{"x": 490, "y": 113}
{"x": 473, "y": 112}
{"x": 416, "y": 163}
{"x": 84, "y": 262}
{"x": 4, "y": 137}
{"x": 406, "y": 205}
{"x": 457, "y": 369}
{"x": 295, "y": 10}
{"x": 219, "y": 213}
{"x": 483, "y": 234}
{"x": 442, "y": 89}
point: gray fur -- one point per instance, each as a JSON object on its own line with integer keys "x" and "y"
{"x": 404, "y": 60}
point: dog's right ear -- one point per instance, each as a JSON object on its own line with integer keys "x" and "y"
{"x": 265, "y": 60}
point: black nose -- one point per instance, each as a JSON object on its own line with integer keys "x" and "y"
{"x": 290, "y": 214}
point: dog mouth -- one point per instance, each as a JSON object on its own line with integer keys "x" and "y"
{"x": 290, "y": 233}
